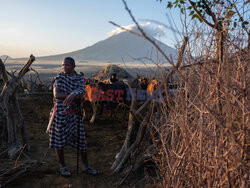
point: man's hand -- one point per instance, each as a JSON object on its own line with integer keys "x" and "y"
{"x": 68, "y": 100}
{"x": 79, "y": 97}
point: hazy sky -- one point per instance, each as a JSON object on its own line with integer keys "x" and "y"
{"x": 48, "y": 27}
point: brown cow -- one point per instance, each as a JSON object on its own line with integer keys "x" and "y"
{"x": 89, "y": 98}
{"x": 152, "y": 86}
{"x": 149, "y": 85}
{"x": 99, "y": 93}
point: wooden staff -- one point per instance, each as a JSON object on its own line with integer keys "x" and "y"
{"x": 51, "y": 119}
{"x": 78, "y": 134}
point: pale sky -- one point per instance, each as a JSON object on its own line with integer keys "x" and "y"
{"x": 48, "y": 27}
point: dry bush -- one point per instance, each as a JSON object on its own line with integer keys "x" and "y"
{"x": 200, "y": 132}
{"x": 202, "y": 137}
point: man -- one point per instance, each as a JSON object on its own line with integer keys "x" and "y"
{"x": 84, "y": 79}
{"x": 66, "y": 125}
{"x": 113, "y": 79}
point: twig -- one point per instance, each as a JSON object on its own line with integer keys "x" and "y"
{"x": 5, "y": 151}
{"x": 123, "y": 180}
{"x": 3, "y": 72}
{"x": 22, "y": 149}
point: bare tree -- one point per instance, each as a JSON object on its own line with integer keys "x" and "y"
{"x": 10, "y": 107}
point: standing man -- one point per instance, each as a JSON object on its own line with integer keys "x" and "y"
{"x": 65, "y": 119}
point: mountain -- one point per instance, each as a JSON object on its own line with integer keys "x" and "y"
{"x": 117, "y": 48}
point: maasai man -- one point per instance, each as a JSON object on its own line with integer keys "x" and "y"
{"x": 113, "y": 79}
{"x": 63, "y": 130}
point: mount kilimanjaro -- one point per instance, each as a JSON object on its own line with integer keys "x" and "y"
{"x": 117, "y": 48}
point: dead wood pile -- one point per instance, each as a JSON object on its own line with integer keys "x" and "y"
{"x": 21, "y": 165}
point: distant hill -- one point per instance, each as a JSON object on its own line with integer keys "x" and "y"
{"x": 118, "y": 48}
{"x": 3, "y": 57}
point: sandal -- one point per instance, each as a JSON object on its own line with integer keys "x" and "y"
{"x": 90, "y": 170}
{"x": 65, "y": 172}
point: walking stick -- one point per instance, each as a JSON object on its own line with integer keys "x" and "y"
{"x": 78, "y": 133}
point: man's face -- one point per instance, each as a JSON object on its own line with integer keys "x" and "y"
{"x": 67, "y": 67}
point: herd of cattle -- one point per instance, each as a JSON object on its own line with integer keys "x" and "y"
{"x": 100, "y": 94}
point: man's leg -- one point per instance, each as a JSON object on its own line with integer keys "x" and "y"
{"x": 60, "y": 156}
{"x": 85, "y": 166}
{"x": 84, "y": 158}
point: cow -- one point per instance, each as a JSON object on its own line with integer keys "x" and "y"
{"x": 97, "y": 94}
{"x": 149, "y": 86}
{"x": 152, "y": 86}
{"x": 143, "y": 83}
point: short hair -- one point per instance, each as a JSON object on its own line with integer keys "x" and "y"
{"x": 114, "y": 74}
{"x": 70, "y": 60}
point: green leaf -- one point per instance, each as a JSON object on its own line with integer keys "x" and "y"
{"x": 195, "y": 16}
{"x": 192, "y": 3}
{"x": 245, "y": 23}
{"x": 182, "y": 2}
{"x": 235, "y": 24}
{"x": 200, "y": 19}
{"x": 230, "y": 13}
{"x": 191, "y": 13}
{"x": 182, "y": 10}
{"x": 170, "y": 5}
{"x": 232, "y": 6}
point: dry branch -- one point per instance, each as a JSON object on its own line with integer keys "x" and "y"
{"x": 11, "y": 110}
{"x": 3, "y": 72}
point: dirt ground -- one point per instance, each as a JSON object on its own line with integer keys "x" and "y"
{"x": 104, "y": 140}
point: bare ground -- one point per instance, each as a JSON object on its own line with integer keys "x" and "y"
{"x": 104, "y": 140}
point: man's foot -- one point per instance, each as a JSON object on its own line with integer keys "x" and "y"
{"x": 90, "y": 170}
{"x": 65, "y": 172}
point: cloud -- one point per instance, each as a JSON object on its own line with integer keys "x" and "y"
{"x": 148, "y": 27}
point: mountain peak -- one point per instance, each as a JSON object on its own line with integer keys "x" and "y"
{"x": 122, "y": 47}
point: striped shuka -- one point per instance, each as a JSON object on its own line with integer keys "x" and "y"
{"x": 65, "y": 122}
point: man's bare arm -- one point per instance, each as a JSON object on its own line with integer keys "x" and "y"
{"x": 58, "y": 94}
{"x": 67, "y": 99}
